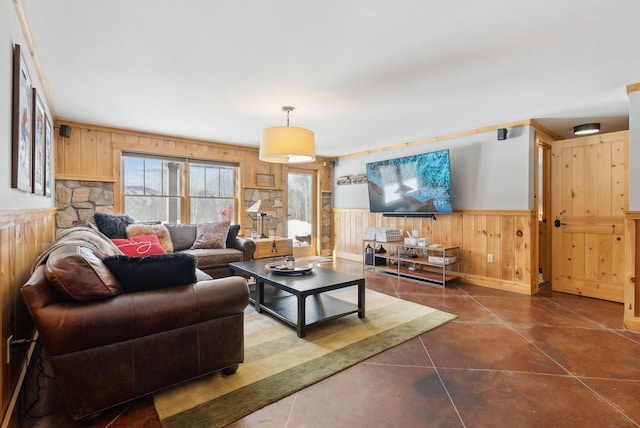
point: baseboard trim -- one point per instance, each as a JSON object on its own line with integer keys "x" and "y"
{"x": 498, "y": 284}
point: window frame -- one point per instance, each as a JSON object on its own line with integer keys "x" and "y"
{"x": 184, "y": 195}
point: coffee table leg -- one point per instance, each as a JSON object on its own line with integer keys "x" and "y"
{"x": 361, "y": 299}
{"x": 259, "y": 295}
{"x": 302, "y": 319}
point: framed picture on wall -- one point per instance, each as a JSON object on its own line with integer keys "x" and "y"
{"x": 38, "y": 144}
{"x": 21, "y": 174}
{"x": 48, "y": 139}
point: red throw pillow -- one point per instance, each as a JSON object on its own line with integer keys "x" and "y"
{"x": 140, "y": 245}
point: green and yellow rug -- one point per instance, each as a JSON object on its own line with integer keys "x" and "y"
{"x": 279, "y": 363}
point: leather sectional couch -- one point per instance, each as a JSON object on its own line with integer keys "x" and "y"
{"x": 108, "y": 344}
{"x": 212, "y": 259}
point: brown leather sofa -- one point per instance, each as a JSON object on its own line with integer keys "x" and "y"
{"x": 214, "y": 262}
{"x": 108, "y": 346}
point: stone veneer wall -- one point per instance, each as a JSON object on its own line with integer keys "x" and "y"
{"x": 326, "y": 225}
{"x": 274, "y": 223}
{"x": 77, "y": 201}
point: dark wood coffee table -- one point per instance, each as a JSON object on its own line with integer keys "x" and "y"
{"x": 288, "y": 302}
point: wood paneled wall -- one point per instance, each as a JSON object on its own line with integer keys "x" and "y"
{"x": 23, "y": 236}
{"x": 505, "y": 234}
{"x": 94, "y": 153}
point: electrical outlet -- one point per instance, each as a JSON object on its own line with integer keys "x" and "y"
{"x": 9, "y": 340}
{"x": 489, "y": 258}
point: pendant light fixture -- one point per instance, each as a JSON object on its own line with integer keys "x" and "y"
{"x": 287, "y": 144}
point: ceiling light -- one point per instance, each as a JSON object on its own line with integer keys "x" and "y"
{"x": 586, "y": 129}
{"x": 287, "y": 144}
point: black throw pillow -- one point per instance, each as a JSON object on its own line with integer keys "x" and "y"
{"x": 231, "y": 236}
{"x": 113, "y": 226}
{"x": 152, "y": 272}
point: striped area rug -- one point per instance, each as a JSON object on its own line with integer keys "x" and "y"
{"x": 279, "y": 363}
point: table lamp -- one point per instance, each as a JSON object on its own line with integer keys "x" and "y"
{"x": 262, "y": 208}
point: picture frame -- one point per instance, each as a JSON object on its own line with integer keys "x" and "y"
{"x": 48, "y": 156}
{"x": 38, "y": 151}
{"x": 266, "y": 180}
{"x": 358, "y": 179}
{"x": 21, "y": 165}
{"x": 344, "y": 180}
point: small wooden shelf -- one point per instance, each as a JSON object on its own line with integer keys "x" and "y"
{"x": 417, "y": 267}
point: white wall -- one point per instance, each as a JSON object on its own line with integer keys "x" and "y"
{"x": 634, "y": 151}
{"x": 10, "y": 34}
{"x": 486, "y": 174}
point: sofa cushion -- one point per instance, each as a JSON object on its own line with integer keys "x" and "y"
{"x": 202, "y": 276}
{"x": 231, "y": 236}
{"x": 211, "y": 235}
{"x": 219, "y": 257}
{"x": 156, "y": 229}
{"x": 152, "y": 272}
{"x": 182, "y": 235}
{"x": 113, "y": 226}
{"x": 140, "y": 245}
{"x": 77, "y": 273}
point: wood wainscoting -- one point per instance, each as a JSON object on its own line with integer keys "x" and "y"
{"x": 507, "y": 235}
{"x": 23, "y": 236}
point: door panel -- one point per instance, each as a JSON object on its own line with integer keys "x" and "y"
{"x": 301, "y": 211}
{"x": 588, "y": 205}
{"x": 543, "y": 201}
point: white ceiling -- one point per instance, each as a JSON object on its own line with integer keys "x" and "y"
{"x": 362, "y": 74}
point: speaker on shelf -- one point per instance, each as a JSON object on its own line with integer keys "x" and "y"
{"x": 502, "y": 134}
{"x": 65, "y": 131}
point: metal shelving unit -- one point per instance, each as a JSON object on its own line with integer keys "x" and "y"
{"x": 438, "y": 265}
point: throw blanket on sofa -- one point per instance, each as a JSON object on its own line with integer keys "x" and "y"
{"x": 81, "y": 235}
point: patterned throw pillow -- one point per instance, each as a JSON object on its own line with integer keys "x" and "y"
{"x": 140, "y": 245}
{"x": 211, "y": 235}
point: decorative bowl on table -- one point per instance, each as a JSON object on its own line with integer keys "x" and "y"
{"x": 284, "y": 268}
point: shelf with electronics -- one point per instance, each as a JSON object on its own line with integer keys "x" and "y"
{"x": 432, "y": 263}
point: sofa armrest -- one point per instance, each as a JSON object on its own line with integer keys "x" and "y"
{"x": 247, "y": 246}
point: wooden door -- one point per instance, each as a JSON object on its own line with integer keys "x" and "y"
{"x": 301, "y": 211}
{"x": 589, "y": 198}
{"x": 542, "y": 196}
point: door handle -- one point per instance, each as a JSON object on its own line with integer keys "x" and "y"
{"x": 558, "y": 223}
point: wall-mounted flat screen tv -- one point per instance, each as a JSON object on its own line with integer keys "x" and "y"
{"x": 412, "y": 184}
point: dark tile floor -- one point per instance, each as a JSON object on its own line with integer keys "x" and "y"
{"x": 551, "y": 360}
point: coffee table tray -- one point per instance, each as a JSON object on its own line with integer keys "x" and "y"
{"x": 280, "y": 268}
